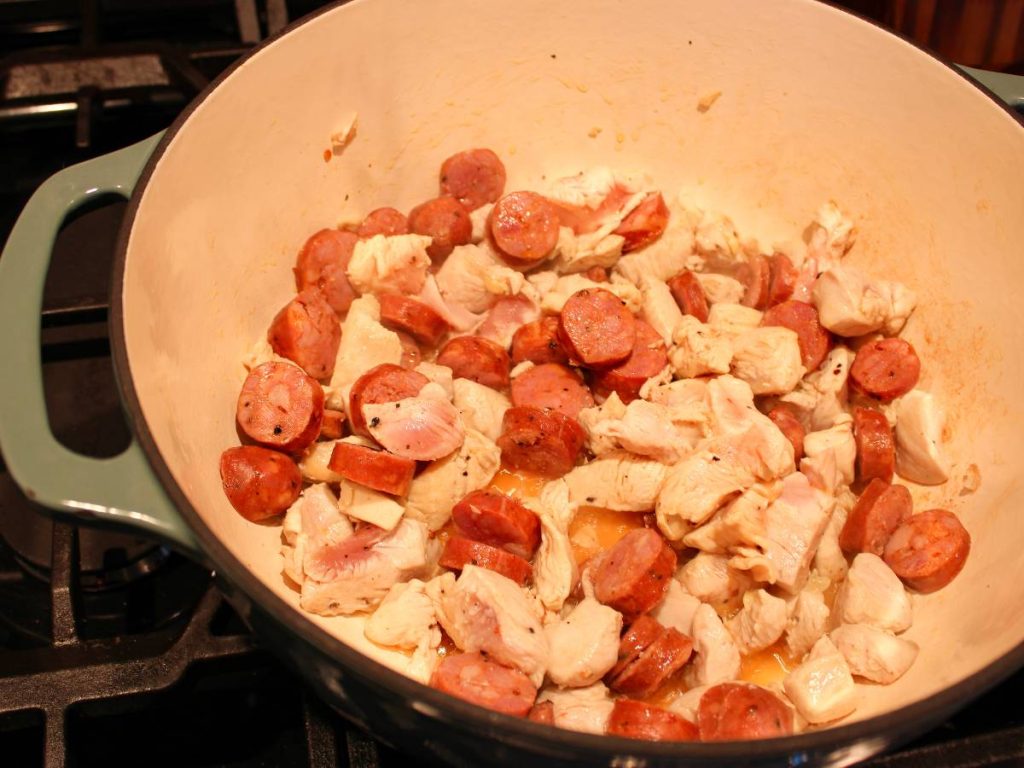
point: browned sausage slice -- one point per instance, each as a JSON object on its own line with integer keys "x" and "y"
{"x": 321, "y": 264}
{"x": 597, "y": 274}
{"x": 413, "y": 317}
{"x": 635, "y": 640}
{"x": 783, "y": 417}
{"x": 815, "y": 342}
{"x": 542, "y": 712}
{"x": 649, "y": 358}
{"x": 376, "y": 469}
{"x": 879, "y": 511}
{"x": 596, "y": 328}
{"x": 876, "y": 449}
{"x": 644, "y": 224}
{"x": 280, "y": 406}
{"x": 458, "y": 551}
{"x": 731, "y": 711}
{"x": 538, "y": 343}
{"x": 756, "y": 278}
{"x": 258, "y": 482}
{"x": 689, "y": 295}
{"x": 476, "y": 679}
{"x": 473, "y": 177}
{"x": 928, "y": 550}
{"x": 524, "y": 226}
{"x": 307, "y": 332}
{"x": 655, "y": 665}
{"x": 633, "y": 575}
{"x": 445, "y": 221}
{"x": 783, "y": 277}
{"x": 499, "y": 520}
{"x": 384, "y": 221}
{"x": 385, "y": 383}
{"x": 551, "y": 386}
{"x": 477, "y": 359}
{"x": 637, "y": 720}
{"x": 333, "y": 425}
{"x": 885, "y": 369}
{"x": 546, "y": 443}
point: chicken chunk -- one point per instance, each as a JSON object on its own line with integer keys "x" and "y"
{"x": 554, "y": 566}
{"x": 807, "y": 622}
{"x": 677, "y": 609}
{"x": 479, "y": 218}
{"x": 821, "y": 397}
{"x": 851, "y": 304}
{"x": 438, "y": 374}
{"x": 659, "y": 308}
{"x": 456, "y": 315}
{"x": 831, "y": 234}
{"x": 578, "y": 253}
{"x": 821, "y": 688}
{"x": 716, "y": 239}
{"x": 584, "y": 645}
{"x": 553, "y": 298}
{"x": 647, "y": 429}
{"x": 365, "y": 343}
{"x": 587, "y": 188}
{"x": 314, "y": 514}
{"x": 729, "y": 527}
{"x": 474, "y": 277}
{"x": 591, "y": 419}
{"x": 872, "y": 594}
{"x": 920, "y": 422}
{"x": 873, "y": 653}
{"x": 759, "y": 623}
{"x": 396, "y": 264}
{"x": 405, "y": 618}
{"x": 620, "y": 481}
{"x": 734, "y": 318}
{"x": 830, "y": 455}
{"x": 829, "y": 561}
{"x": 710, "y": 579}
{"x": 699, "y": 349}
{"x": 482, "y": 408}
{"x": 681, "y": 393}
{"x": 716, "y": 658}
{"x": 581, "y": 709}
{"x": 370, "y": 506}
{"x": 313, "y": 464}
{"x": 768, "y": 359}
{"x": 721, "y": 289}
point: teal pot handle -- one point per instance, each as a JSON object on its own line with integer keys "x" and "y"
{"x": 1009, "y": 88}
{"x": 121, "y": 491}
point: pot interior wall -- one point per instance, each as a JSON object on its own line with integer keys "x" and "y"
{"x": 814, "y": 105}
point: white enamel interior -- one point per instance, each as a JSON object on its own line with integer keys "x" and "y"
{"x": 815, "y": 104}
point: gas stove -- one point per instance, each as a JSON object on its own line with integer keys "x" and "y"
{"x": 112, "y": 646}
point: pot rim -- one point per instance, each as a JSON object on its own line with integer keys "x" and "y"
{"x": 883, "y": 730}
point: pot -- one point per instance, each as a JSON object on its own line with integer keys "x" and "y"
{"x": 815, "y": 104}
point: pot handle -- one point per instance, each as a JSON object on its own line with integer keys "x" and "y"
{"x": 1009, "y": 88}
{"x": 121, "y": 491}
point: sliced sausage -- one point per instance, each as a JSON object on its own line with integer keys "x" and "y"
{"x": 411, "y": 355}
{"x": 644, "y": 224}
{"x": 782, "y": 278}
{"x": 730, "y": 711}
{"x": 473, "y": 177}
{"x": 542, "y": 712}
{"x": 596, "y": 328}
{"x": 458, "y": 551}
{"x": 597, "y": 274}
{"x": 384, "y": 221}
{"x": 373, "y": 468}
{"x": 538, "y": 342}
{"x": 546, "y": 443}
{"x": 524, "y": 226}
{"x": 635, "y": 640}
{"x": 333, "y": 425}
{"x": 876, "y": 448}
{"x": 633, "y": 575}
{"x": 280, "y": 406}
{"x": 689, "y": 295}
{"x": 385, "y": 383}
{"x": 815, "y": 342}
{"x": 658, "y": 663}
{"x": 307, "y": 332}
{"x": 477, "y": 359}
{"x": 554, "y": 387}
{"x": 321, "y": 264}
{"x": 499, "y": 520}
{"x": 787, "y": 422}
{"x": 445, "y": 221}
{"x": 474, "y": 678}
{"x": 637, "y": 720}
{"x": 879, "y": 511}
{"x": 756, "y": 278}
{"x": 258, "y": 482}
{"x": 649, "y": 358}
{"x": 928, "y": 550}
{"x": 885, "y": 369}
{"x": 413, "y": 317}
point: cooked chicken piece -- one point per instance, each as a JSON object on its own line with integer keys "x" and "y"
{"x": 684, "y": 392}
{"x": 873, "y": 653}
{"x": 649, "y": 429}
{"x": 721, "y": 289}
{"x": 716, "y": 658}
{"x": 759, "y": 623}
{"x": 584, "y": 645}
{"x": 260, "y": 353}
{"x": 405, "y": 618}
{"x": 621, "y": 481}
{"x": 396, "y": 263}
{"x": 808, "y": 620}
{"x": 587, "y": 188}
{"x": 482, "y": 408}
{"x": 456, "y": 315}
{"x": 488, "y": 612}
{"x": 362, "y": 503}
{"x": 687, "y": 704}
{"x": 821, "y": 397}
{"x": 831, "y": 234}
{"x": 830, "y": 456}
{"x": 473, "y": 277}
{"x": 438, "y": 374}
{"x": 920, "y": 422}
{"x": 592, "y": 419}
{"x": 729, "y": 527}
{"x": 699, "y": 349}
{"x": 365, "y": 343}
{"x": 659, "y": 308}
{"x": 315, "y": 513}
{"x": 554, "y": 298}
{"x": 436, "y": 489}
{"x": 822, "y": 689}
{"x": 768, "y": 359}
{"x": 478, "y": 217}
{"x": 734, "y": 318}
{"x": 710, "y": 579}
{"x": 581, "y": 709}
{"x": 313, "y": 464}
{"x": 508, "y": 314}
{"x": 731, "y": 402}
{"x": 716, "y": 239}
{"x": 554, "y": 566}
{"x": 829, "y": 561}
{"x": 873, "y": 594}
{"x": 353, "y": 574}
{"x": 667, "y": 256}
{"x": 677, "y": 609}
{"x": 578, "y": 253}
{"x": 851, "y": 304}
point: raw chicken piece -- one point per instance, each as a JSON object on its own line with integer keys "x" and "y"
{"x": 831, "y": 234}
{"x": 315, "y": 513}
{"x": 873, "y": 653}
{"x": 822, "y": 689}
{"x": 649, "y": 429}
{"x": 425, "y": 427}
{"x": 456, "y": 315}
{"x": 365, "y": 343}
{"x": 851, "y": 304}
{"x": 578, "y": 253}
{"x": 584, "y": 645}
{"x": 482, "y": 408}
{"x": 474, "y": 277}
{"x": 554, "y": 566}
{"x": 729, "y": 528}
{"x": 677, "y": 609}
{"x": 260, "y": 353}
{"x": 659, "y": 308}
{"x": 619, "y": 481}
{"x": 716, "y": 658}
{"x": 699, "y": 349}
{"x": 478, "y": 217}
{"x": 821, "y": 397}
{"x": 734, "y": 318}
{"x": 808, "y": 620}
{"x": 581, "y": 709}
{"x": 683, "y": 393}
{"x": 405, "y": 618}
{"x": 768, "y": 359}
{"x": 716, "y": 239}
{"x": 438, "y": 374}
{"x": 396, "y": 264}
{"x": 920, "y": 422}
{"x": 873, "y": 594}
{"x": 710, "y": 579}
{"x": 313, "y": 465}
{"x": 370, "y": 506}
{"x": 587, "y": 188}
{"x": 507, "y": 315}
{"x": 688, "y": 704}
{"x": 591, "y": 419}
{"x": 721, "y": 289}
{"x": 830, "y": 455}
{"x": 759, "y": 623}
{"x": 829, "y": 561}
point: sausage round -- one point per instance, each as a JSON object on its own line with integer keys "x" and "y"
{"x": 597, "y": 274}
{"x": 928, "y": 550}
{"x": 321, "y": 264}
{"x": 413, "y": 317}
{"x": 641, "y": 633}
{"x": 644, "y": 224}
{"x": 280, "y": 406}
{"x": 876, "y": 448}
{"x": 445, "y": 222}
{"x": 258, "y": 482}
{"x": 784, "y": 418}
{"x": 756, "y": 278}
{"x": 815, "y": 342}
{"x": 731, "y": 711}
{"x": 373, "y": 468}
{"x": 384, "y": 221}
{"x": 551, "y": 386}
{"x": 538, "y": 342}
{"x": 333, "y": 425}
{"x": 689, "y": 295}
{"x": 477, "y": 359}
{"x": 473, "y": 177}
{"x": 307, "y": 332}
{"x": 596, "y": 328}
{"x": 524, "y": 226}
{"x": 637, "y": 720}
{"x": 546, "y": 443}
{"x": 649, "y": 358}
{"x": 474, "y": 678}
{"x": 879, "y": 511}
{"x": 385, "y": 383}
{"x": 633, "y": 574}
{"x": 885, "y": 369}
{"x": 458, "y": 551}
{"x": 499, "y": 520}
{"x": 655, "y": 665}
{"x": 542, "y": 712}
{"x": 782, "y": 278}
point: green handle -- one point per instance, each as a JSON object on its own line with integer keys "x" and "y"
{"x": 120, "y": 491}
{"x": 1009, "y": 88}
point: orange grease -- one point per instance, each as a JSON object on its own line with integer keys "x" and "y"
{"x": 595, "y": 529}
